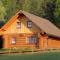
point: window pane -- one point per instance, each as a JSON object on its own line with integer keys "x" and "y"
{"x": 18, "y": 24}
{"x": 29, "y": 24}
{"x": 13, "y": 40}
{"x": 32, "y": 39}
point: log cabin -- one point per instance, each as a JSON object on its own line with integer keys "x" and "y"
{"x": 26, "y": 30}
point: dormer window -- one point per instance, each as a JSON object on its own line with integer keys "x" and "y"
{"x": 18, "y": 24}
{"x": 29, "y": 24}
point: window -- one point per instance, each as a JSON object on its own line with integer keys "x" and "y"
{"x": 13, "y": 40}
{"x": 32, "y": 39}
{"x": 18, "y": 24}
{"x": 29, "y": 24}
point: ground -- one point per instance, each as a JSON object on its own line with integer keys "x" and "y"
{"x": 36, "y": 56}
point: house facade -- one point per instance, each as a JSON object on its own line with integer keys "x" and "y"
{"x": 27, "y": 30}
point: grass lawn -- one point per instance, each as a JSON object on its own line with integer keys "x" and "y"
{"x": 37, "y": 56}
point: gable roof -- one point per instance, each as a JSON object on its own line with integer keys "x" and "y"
{"x": 42, "y": 23}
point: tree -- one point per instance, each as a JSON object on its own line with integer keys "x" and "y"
{"x": 49, "y": 10}
{"x": 2, "y": 11}
{"x": 27, "y": 5}
{"x": 19, "y": 4}
{"x": 10, "y": 7}
{"x": 1, "y": 23}
{"x": 39, "y": 9}
{"x": 57, "y": 13}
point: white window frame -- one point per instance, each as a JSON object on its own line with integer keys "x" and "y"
{"x": 18, "y": 24}
{"x": 29, "y": 24}
{"x": 13, "y": 40}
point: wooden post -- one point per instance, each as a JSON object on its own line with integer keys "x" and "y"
{"x": 46, "y": 42}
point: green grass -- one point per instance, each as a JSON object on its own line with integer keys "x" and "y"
{"x": 40, "y": 56}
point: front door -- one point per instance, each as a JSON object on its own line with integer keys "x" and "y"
{"x": 1, "y": 42}
{"x": 37, "y": 43}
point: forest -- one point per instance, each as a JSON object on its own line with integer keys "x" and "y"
{"x": 49, "y": 9}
